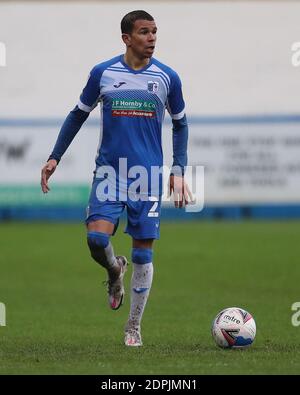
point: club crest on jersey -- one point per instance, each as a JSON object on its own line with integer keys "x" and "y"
{"x": 152, "y": 86}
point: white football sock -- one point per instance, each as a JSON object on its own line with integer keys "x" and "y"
{"x": 111, "y": 263}
{"x": 140, "y": 287}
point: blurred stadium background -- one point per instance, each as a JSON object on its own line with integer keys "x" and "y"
{"x": 242, "y": 100}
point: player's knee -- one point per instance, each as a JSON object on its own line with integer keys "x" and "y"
{"x": 97, "y": 242}
{"x": 142, "y": 255}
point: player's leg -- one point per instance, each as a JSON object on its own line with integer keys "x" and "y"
{"x": 98, "y": 238}
{"x": 143, "y": 226}
{"x": 102, "y": 221}
{"x": 141, "y": 282}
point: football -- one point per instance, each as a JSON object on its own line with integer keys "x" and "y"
{"x": 233, "y": 327}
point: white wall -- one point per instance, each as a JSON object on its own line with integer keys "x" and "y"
{"x": 234, "y": 58}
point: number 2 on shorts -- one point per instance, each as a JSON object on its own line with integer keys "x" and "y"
{"x": 152, "y": 212}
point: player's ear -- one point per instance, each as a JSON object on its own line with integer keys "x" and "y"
{"x": 126, "y": 39}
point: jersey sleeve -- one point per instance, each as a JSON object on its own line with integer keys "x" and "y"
{"x": 90, "y": 95}
{"x": 175, "y": 103}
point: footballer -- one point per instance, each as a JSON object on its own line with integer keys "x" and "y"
{"x": 133, "y": 90}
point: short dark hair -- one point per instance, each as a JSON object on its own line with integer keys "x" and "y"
{"x": 128, "y": 20}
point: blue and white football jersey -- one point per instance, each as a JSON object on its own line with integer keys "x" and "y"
{"x": 133, "y": 104}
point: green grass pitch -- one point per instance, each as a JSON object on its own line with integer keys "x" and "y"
{"x": 58, "y": 320}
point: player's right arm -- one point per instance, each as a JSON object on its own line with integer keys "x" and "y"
{"x": 176, "y": 107}
{"x": 72, "y": 124}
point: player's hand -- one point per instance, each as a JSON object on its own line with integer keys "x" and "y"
{"x": 47, "y": 172}
{"x": 180, "y": 190}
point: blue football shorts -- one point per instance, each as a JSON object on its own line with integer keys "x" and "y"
{"x": 143, "y": 216}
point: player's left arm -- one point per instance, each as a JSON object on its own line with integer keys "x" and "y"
{"x": 176, "y": 108}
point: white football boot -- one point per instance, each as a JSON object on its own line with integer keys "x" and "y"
{"x": 115, "y": 289}
{"x": 133, "y": 336}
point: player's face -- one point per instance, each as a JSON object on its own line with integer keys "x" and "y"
{"x": 142, "y": 38}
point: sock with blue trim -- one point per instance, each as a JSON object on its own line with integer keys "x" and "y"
{"x": 140, "y": 284}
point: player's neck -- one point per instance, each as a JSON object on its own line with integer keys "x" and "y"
{"x": 134, "y": 62}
